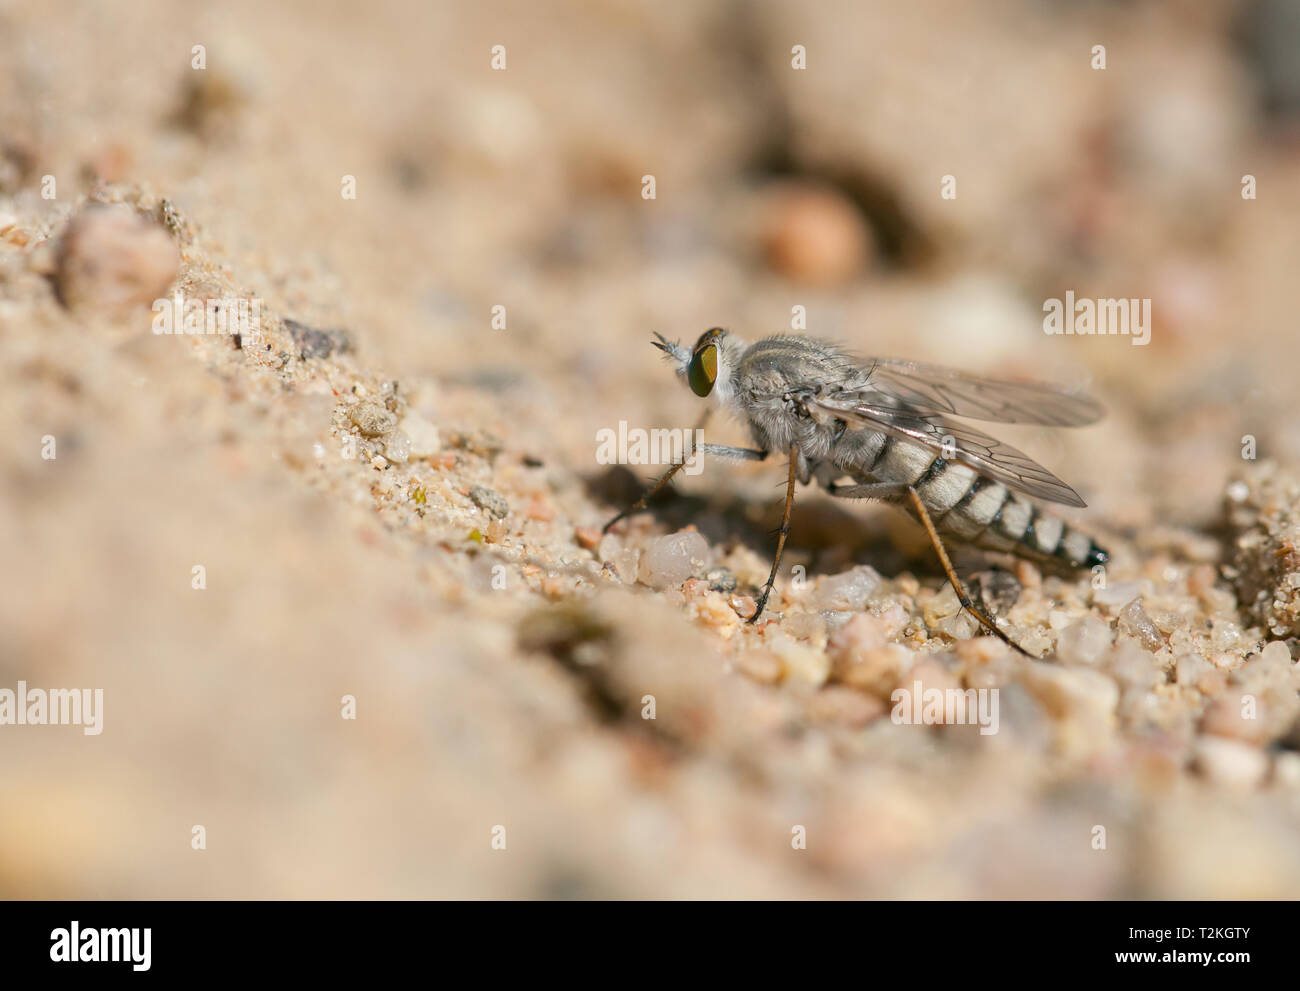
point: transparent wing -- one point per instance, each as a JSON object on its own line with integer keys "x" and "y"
{"x": 952, "y": 440}
{"x": 957, "y": 393}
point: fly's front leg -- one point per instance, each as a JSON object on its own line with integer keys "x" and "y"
{"x": 733, "y": 453}
{"x": 663, "y": 480}
{"x": 714, "y": 450}
{"x": 640, "y": 504}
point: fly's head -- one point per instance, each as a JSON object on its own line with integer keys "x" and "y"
{"x": 707, "y": 368}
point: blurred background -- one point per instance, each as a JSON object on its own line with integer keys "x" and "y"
{"x": 1112, "y": 172}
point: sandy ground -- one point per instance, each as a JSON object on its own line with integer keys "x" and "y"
{"x": 392, "y": 499}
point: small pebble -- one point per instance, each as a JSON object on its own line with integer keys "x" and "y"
{"x": 1224, "y": 661}
{"x": 816, "y": 236}
{"x": 1085, "y": 641}
{"x": 312, "y": 343}
{"x": 862, "y": 632}
{"x": 398, "y": 447}
{"x": 372, "y": 419}
{"x": 1227, "y": 715}
{"x": 671, "y": 560}
{"x": 850, "y": 590}
{"x": 1077, "y": 693}
{"x": 1118, "y": 593}
{"x": 1189, "y": 668}
{"x": 982, "y": 650}
{"x": 875, "y": 669}
{"x": 423, "y": 436}
{"x": 721, "y": 579}
{"x": 587, "y": 537}
{"x": 894, "y": 618}
{"x": 1034, "y": 642}
{"x": 932, "y": 675}
{"x": 112, "y": 257}
{"x": 959, "y": 626}
{"x": 1277, "y": 654}
{"x": 490, "y": 501}
{"x": 695, "y": 589}
{"x": 762, "y": 666}
{"x": 1212, "y": 682}
{"x": 614, "y": 550}
{"x": 1134, "y": 621}
{"x": 1029, "y": 574}
{"x": 1286, "y": 770}
{"x": 1134, "y": 667}
{"x": 744, "y": 605}
{"x": 11, "y": 232}
{"x": 541, "y": 510}
{"x": 805, "y": 626}
{"x": 1226, "y": 635}
{"x": 799, "y": 661}
{"x": 940, "y": 607}
{"x": 1201, "y": 581}
{"x": 712, "y": 610}
{"x": 1167, "y": 621}
{"x": 1230, "y": 763}
{"x": 844, "y": 707}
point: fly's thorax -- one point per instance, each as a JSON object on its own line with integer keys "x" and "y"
{"x": 778, "y": 364}
{"x": 769, "y": 377}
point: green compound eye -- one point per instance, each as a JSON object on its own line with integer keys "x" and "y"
{"x": 703, "y": 371}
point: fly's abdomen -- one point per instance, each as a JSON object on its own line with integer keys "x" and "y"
{"x": 986, "y": 513}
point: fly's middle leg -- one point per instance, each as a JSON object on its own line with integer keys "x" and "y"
{"x": 785, "y": 530}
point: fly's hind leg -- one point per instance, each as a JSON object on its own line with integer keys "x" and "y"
{"x": 869, "y": 490}
{"x": 895, "y": 490}
{"x": 923, "y": 515}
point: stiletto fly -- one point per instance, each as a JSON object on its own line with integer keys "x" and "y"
{"x": 885, "y": 429}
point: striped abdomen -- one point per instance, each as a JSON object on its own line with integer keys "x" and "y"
{"x": 976, "y": 509}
